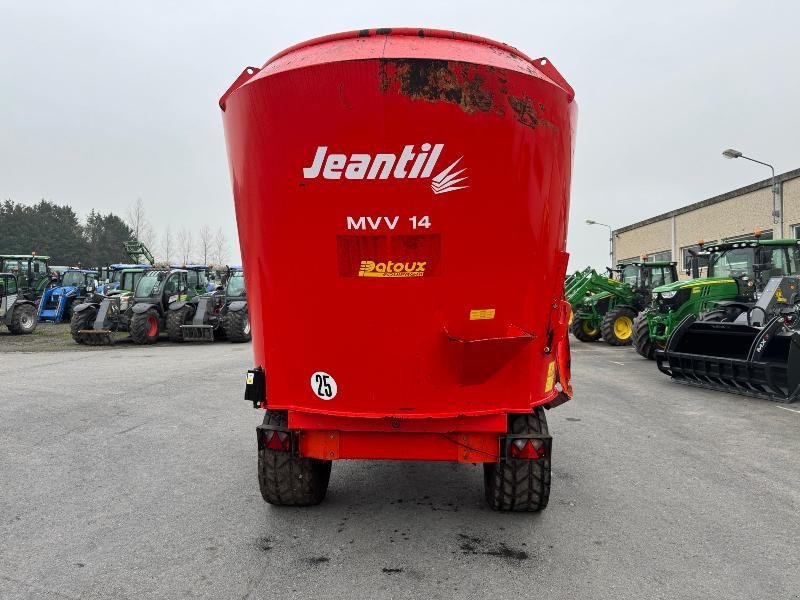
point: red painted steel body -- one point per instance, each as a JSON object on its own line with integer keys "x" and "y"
{"x": 450, "y": 347}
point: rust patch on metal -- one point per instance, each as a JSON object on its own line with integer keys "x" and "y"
{"x": 363, "y": 33}
{"x": 438, "y": 81}
{"x": 528, "y": 112}
{"x": 383, "y": 31}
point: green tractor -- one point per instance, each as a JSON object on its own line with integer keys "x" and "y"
{"x": 607, "y": 306}
{"x": 737, "y": 274}
{"x": 16, "y": 312}
{"x": 32, "y": 271}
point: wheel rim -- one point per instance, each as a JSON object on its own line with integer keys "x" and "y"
{"x": 246, "y": 328}
{"x": 152, "y": 326}
{"x": 26, "y": 321}
{"x": 623, "y": 327}
{"x": 588, "y": 328}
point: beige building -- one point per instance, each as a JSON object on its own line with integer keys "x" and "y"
{"x": 735, "y": 214}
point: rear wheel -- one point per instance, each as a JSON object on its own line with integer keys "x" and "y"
{"x": 287, "y": 480}
{"x": 617, "y": 327}
{"x": 82, "y": 320}
{"x": 585, "y": 331}
{"x": 145, "y": 327}
{"x": 237, "y": 326}
{"x": 641, "y": 337}
{"x": 176, "y": 318}
{"x": 23, "y": 320}
{"x": 519, "y": 485}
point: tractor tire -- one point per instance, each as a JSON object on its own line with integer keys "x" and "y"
{"x": 617, "y": 326}
{"x": 237, "y": 326}
{"x": 176, "y": 318}
{"x": 584, "y": 332}
{"x": 145, "y": 327}
{"x": 513, "y": 485}
{"x": 23, "y": 321}
{"x": 641, "y": 338}
{"x": 287, "y": 480}
{"x": 80, "y": 321}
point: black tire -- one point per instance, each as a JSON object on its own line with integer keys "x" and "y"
{"x": 519, "y": 485}
{"x": 176, "y": 318}
{"x": 584, "y": 332}
{"x": 23, "y": 320}
{"x": 80, "y": 321}
{"x": 617, "y": 327}
{"x": 237, "y": 326}
{"x": 287, "y": 480}
{"x": 641, "y": 338}
{"x": 141, "y": 327}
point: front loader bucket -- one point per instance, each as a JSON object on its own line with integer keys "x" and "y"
{"x": 762, "y": 362}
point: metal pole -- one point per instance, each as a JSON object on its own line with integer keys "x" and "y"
{"x": 777, "y": 196}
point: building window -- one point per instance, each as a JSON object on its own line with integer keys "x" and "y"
{"x": 765, "y": 235}
{"x": 796, "y": 229}
{"x": 664, "y": 255}
{"x": 635, "y": 259}
{"x": 686, "y": 256}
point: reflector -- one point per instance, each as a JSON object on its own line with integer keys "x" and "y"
{"x": 527, "y": 448}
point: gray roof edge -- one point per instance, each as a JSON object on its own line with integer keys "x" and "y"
{"x": 713, "y": 200}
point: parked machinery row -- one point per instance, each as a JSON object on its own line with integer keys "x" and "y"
{"x": 735, "y": 329}
{"x": 186, "y": 302}
{"x": 169, "y": 300}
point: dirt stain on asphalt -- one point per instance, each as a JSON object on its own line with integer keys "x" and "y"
{"x": 574, "y": 419}
{"x": 474, "y": 546}
{"x": 263, "y": 544}
{"x": 391, "y": 570}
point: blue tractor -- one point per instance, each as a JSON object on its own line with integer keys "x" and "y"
{"x": 57, "y": 302}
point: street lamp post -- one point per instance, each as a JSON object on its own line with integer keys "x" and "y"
{"x": 610, "y": 240}
{"x": 777, "y": 196}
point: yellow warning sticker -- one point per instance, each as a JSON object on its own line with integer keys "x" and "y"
{"x": 551, "y": 377}
{"x": 250, "y": 378}
{"x": 481, "y": 314}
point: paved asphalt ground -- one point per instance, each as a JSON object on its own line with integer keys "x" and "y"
{"x": 130, "y": 473}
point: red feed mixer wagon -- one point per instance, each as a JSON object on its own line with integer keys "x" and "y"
{"x": 402, "y": 199}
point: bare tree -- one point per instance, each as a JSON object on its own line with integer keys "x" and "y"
{"x": 137, "y": 220}
{"x": 185, "y": 245}
{"x": 220, "y": 248}
{"x": 167, "y": 244}
{"x": 206, "y": 240}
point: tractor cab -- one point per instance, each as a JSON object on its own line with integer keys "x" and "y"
{"x": 163, "y": 287}
{"x": 234, "y": 286}
{"x": 753, "y": 261}
{"x": 113, "y": 277}
{"x": 644, "y": 276}
{"x": 32, "y": 271}
{"x": 196, "y": 277}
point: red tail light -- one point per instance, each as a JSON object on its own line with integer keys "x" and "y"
{"x": 277, "y": 440}
{"x": 528, "y": 448}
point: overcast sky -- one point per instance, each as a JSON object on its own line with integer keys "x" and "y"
{"x": 103, "y": 102}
